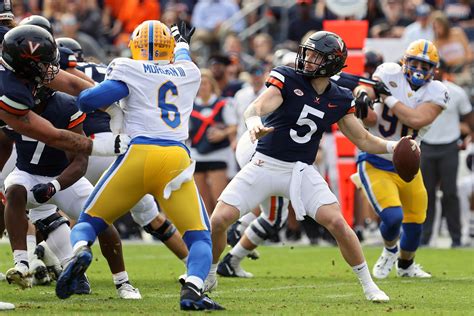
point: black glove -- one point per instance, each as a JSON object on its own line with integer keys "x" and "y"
{"x": 362, "y": 104}
{"x": 182, "y": 34}
{"x": 43, "y": 192}
{"x": 381, "y": 88}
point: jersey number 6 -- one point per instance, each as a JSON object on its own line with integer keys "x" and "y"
{"x": 169, "y": 111}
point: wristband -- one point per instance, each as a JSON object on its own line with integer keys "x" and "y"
{"x": 56, "y": 185}
{"x": 391, "y": 146}
{"x": 390, "y": 101}
{"x": 253, "y": 121}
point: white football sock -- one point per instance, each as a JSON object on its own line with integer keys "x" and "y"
{"x": 213, "y": 270}
{"x": 363, "y": 274}
{"x": 120, "y": 277}
{"x": 31, "y": 246}
{"x": 20, "y": 255}
{"x": 239, "y": 252}
{"x": 60, "y": 244}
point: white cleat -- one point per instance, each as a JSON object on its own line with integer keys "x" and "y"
{"x": 2, "y": 277}
{"x": 376, "y": 295}
{"x": 39, "y": 272}
{"x": 6, "y": 306}
{"x": 210, "y": 284}
{"x": 19, "y": 275}
{"x": 127, "y": 292}
{"x": 384, "y": 264}
{"x": 413, "y": 271}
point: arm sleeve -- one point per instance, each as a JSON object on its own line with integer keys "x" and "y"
{"x": 104, "y": 94}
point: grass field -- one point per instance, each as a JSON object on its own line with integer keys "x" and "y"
{"x": 288, "y": 280}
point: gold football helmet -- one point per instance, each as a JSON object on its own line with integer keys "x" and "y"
{"x": 152, "y": 40}
{"x": 425, "y": 52}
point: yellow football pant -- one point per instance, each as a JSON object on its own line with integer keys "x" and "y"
{"x": 386, "y": 189}
{"x": 146, "y": 169}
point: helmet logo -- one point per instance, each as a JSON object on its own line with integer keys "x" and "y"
{"x": 33, "y": 46}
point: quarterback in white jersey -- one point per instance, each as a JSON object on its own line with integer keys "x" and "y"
{"x": 410, "y": 102}
{"x": 156, "y": 89}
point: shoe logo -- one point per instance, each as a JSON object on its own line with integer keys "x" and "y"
{"x": 194, "y": 290}
{"x": 330, "y": 105}
{"x": 316, "y": 100}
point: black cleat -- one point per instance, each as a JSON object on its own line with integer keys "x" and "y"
{"x": 192, "y": 299}
{"x": 227, "y": 269}
{"x": 83, "y": 285}
{"x": 68, "y": 281}
{"x": 233, "y": 234}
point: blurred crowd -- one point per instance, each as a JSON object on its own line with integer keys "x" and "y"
{"x": 236, "y": 44}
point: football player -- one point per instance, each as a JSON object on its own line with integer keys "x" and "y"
{"x": 158, "y": 159}
{"x": 98, "y": 124}
{"x": 67, "y": 60}
{"x": 410, "y": 102}
{"x": 303, "y": 102}
{"x": 56, "y": 180}
{"x": 29, "y": 59}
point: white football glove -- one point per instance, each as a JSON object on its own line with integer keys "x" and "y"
{"x": 110, "y": 145}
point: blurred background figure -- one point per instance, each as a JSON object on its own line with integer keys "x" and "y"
{"x": 212, "y": 128}
{"x": 422, "y": 28}
{"x": 453, "y": 47}
{"x": 440, "y": 159}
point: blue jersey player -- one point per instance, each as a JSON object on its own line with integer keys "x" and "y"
{"x": 303, "y": 102}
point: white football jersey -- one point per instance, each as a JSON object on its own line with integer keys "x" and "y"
{"x": 388, "y": 125}
{"x": 160, "y": 99}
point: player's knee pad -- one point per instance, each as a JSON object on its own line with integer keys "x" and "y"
{"x": 191, "y": 236}
{"x": 260, "y": 230}
{"x": 392, "y": 218}
{"x": 411, "y": 236}
{"x": 49, "y": 224}
{"x": 163, "y": 233}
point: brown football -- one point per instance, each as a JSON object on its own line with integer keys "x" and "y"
{"x": 406, "y": 160}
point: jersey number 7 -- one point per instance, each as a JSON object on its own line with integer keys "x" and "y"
{"x": 169, "y": 111}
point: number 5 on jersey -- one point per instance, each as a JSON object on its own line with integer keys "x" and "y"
{"x": 304, "y": 120}
{"x": 169, "y": 111}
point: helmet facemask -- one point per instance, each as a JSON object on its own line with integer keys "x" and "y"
{"x": 418, "y": 71}
{"x": 308, "y": 58}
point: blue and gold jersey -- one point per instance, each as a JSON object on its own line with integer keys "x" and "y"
{"x": 35, "y": 157}
{"x": 303, "y": 116}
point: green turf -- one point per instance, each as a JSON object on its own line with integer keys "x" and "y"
{"x": 288, "y": 280}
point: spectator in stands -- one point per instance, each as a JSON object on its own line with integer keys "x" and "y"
{"x": 239, "y": 59}
{"x": 453, "y": 47}
{"x": 440, "y": 158}
{"x": 212, "y": 128}
{"x": 422, "y": 28}
{"x": 249, "y": 93}
{"x": 208, "y": 17}
{"x": 218, "y": 65}
{"x": 262, "y": 46}
{"x": 69, "y": 27}
{"x": 89, "y": 18}
{"x": 393, "y": 23}
{"x": 304, "y": 22}
{"x": 134, "y": 12}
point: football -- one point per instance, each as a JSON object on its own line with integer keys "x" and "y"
{"x": 406, "y": 160}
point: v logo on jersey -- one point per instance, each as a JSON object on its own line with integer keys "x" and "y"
{"x": 33, "y": 46}
{"x": 330, "y": 105}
